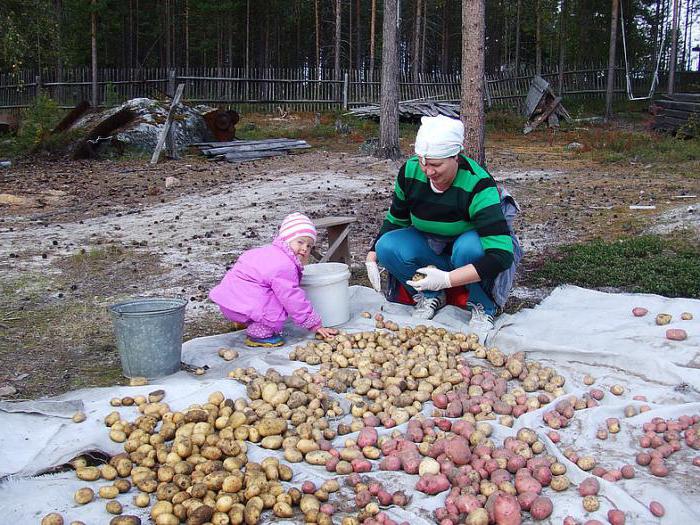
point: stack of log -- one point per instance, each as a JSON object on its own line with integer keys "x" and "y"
{"x": 678, "y": 114}
{"x": 247, "y": 150}
{"x": 411, "y": 109}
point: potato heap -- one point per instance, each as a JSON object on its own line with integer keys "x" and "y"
{"x": 295, "y": 399}
{"x": 388, "y": 375}
{"x": 195, "y": 464}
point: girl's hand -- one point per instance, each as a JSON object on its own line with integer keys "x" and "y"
{"x": 326, "y": 332}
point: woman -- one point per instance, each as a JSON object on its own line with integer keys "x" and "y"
{"x": 446, "y": 223}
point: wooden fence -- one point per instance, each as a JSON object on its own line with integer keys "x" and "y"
{"x": 294, "y": 89}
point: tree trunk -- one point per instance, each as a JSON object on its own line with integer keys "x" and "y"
{"x": 517, "y": 38}
{"x": 58, "y": 9}
{"x": 389, "y": 116}
{"x": 444, "y": 61}
{"x": 562, "y": 29}
{"x": 93, "y": 49}
{"x": 372, "y": 34}
{"x": 686, "y": 42}
{"x": 674, "y": 49}
{"x": 358, "y": 24}
{"x": 187, "y": 36}
{"x": 656, "y": 30}
{"x": 538, "y": 39}
{"x": 168, "y": 43}
{"x": 415, "y": 63}
{"x": 611, "y": 60}
{"x": 472, "y": 100}
{"x": 336, "y": 58}
{"x": 423, "y": 37}
{"x": 318, "y": 38}
{"x": 350, "y": 39}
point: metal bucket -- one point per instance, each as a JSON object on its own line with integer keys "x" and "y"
{"x": 149, "y": 335}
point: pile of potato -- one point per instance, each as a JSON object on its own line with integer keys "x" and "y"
{"x": 388, "y": 376}
{"x": 194, "y": 463}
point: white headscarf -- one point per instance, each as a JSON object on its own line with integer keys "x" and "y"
{"x": 439, "y": 137}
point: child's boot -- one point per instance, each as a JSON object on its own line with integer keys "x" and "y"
{"x": 267, "y": 342}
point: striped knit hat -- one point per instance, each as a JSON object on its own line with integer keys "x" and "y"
{"x": 296, "y": 225}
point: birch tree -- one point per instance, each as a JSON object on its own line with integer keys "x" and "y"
{"x": 611, "y": 60}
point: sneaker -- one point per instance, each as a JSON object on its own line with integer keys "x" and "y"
{"x": 480, "y": 323}
{"x": 267, "y": 342}
{"x": 427, "y": 307}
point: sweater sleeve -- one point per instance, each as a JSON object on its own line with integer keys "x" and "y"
{"x": 486, "y": 215}
{"x": 293, "y": 299}
{"x": 399, "y": 214}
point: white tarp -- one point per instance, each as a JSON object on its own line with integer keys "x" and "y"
{"x": 577, "y": 331}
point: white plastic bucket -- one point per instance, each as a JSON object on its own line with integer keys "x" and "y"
{"x": 326, "y": 286}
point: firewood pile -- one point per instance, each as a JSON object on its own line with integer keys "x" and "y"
{"x": 678, "y": 113}
{"x": 411, "y": 109}
{"x": 247, "y": 150}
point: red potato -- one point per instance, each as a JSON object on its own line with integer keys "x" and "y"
{"x": 616, "y": 517}
{"x": 541, "y": 508}
{"x": 331, "y": 464}
{"x": 363, "y": 498}
{"x": 503, "y": 509}
{"x": 676, "y": 334}
{"x": 643, "y": 459}
{"x": 361, "y": 465}
{"x": 368, "y": 437}
{"x": 308, "y": 487}
{"x": 696, "y": 461}
{"x": 527, "y": 484}
{"x": 457, "y": 449}
{"x": 554, "y": 436}
{"x": 399, "y": 498}
{"x": 440, "y": 401}
{"x": 627, "y": 471}
{"x": 371, "y": 421}
{"x": 467, "y": 503}
{"x": 659, "y": 470}
{"x": 542, "y": 474}
{"x": 433, "y": 484}
{"x": 327, "y": 508}
{"x": 454, "y": 409}
{"x": 657, "y": 509}
{"x": 414, "y": 432}
{"x": 639, "y": 311}
{"x": 589, "y": 487}
{"x": 384, "y": 498}
{"x": 525, "y": 499}
{"x": 589, "y": 522}
{"x": 570, "y": 520}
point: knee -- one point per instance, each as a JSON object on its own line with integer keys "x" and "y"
{"x": 467, "y": 249}
{"x": 390, "y": 248}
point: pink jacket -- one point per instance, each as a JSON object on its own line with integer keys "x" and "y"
{"x": 263, "y": 286}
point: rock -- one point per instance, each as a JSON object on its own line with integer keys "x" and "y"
{"x": 5, "y": 163}
{"x": 574, "y": 146}
{"x": 171, "y": 182}
{"x": 7, "y": 390}
{"x": 16, "y": 200}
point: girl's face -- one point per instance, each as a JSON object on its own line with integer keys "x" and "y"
{"x": 301, "y": 246}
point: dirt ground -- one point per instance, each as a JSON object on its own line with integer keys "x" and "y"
{"x": 78, "y": 236}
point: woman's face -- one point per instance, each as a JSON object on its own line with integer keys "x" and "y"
{"x": 440, "y": 171}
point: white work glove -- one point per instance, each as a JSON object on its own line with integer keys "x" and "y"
{"x": 373, "y": 275}
{"x": 435, "y": 279}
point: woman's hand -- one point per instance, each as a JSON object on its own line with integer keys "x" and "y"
{"x": 373, "y": 271}
{"x": 326, "y": 332}
{"x": 434, "y": 280}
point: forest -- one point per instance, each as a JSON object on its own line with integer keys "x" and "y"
{"x": 337, "y": 34}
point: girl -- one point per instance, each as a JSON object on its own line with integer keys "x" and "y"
{"x": 262, "y": 288}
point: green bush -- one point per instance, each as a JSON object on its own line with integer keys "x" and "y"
{"x": 665, "y": 265}
{"x": 36, "y": 123}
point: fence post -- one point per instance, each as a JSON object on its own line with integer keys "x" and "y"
{"x": 37, "y": 80}
{"x": 346, "y": 86}
{"x": 171, "y": 82}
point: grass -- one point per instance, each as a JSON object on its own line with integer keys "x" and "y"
{"x": 664, "y": 265}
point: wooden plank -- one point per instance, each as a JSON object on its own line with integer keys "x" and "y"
{"x": 543, "y": 116}
{"x": 337, "y": 242}
{"x": 325, "y": 222}
{"x": 683, "y": 106}
{"x": 168, "y": 121}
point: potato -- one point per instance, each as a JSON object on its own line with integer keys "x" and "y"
{"x": 79, "y": 417}
{"x": 271, "y": 442}
{"x": 656, "y": 508}
{"x": 559, "y": 483}
{"x": 428, "y": 466}
{"x": 477, "y": 517}
{"x": 591, "y": 503}
{"x": 318, "y": 457}
{"x": 52, "y": 519}
{"x": 589, "y": 487}
{"x": 686, "y": 316}
{"x": 617, "y": 390}
{"x": 282, "y": 510}
{"x": 663, "y": 319}
{"x": 616, "y": 517}
{"x": 676, "y": 334}
{"x": 108, "y": 492}
{"x": 114, "y": 507}
{"x": 88, "y": 473}
{"x": 586, "y": 463}
{"x": 639, "y": 311}
{"x": 142, "y": 500}
{"x": 84, "y": 495}
{"x": 541, "y": 508}
{"x": 167, "y": 519}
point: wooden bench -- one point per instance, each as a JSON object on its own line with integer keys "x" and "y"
{"x": 338, "y": 232}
